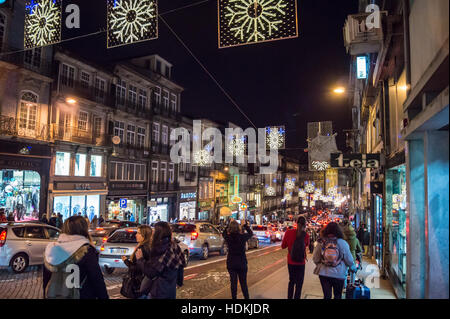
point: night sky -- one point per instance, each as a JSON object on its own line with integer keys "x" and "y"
{"x": 277, "y": 83}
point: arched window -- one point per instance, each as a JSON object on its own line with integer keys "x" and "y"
{"x": 2, "y": 29}
{"x": 28, "y": 111}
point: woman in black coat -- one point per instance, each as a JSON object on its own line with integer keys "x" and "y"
{"x": 236, "y": 259}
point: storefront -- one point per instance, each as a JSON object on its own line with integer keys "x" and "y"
{"x": 378, "y": 228}
{"x": 127, "y": 201}
{"x": 71, "y": 199}
{"x": 396, "y": 225}
{"x": 161, "y": 209}
{"x": 187, "y": 202}
{"x": 24, "y": 171}
{"x": 205, "y": 210}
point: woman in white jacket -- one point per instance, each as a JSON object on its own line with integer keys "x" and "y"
{"x": 333, "y": 257}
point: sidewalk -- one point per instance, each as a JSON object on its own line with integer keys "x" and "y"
{"x": 275, "y": 285}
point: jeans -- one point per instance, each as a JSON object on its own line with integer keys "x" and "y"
{"x": 330, "y": 285}
{"x": 296, "y": 276}
{"x": 242, "y": 274}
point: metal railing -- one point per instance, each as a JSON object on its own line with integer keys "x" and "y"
{"x": 73, "y": 134}
{"x": 11, "y": 126}
{"x": 26, "y": 60}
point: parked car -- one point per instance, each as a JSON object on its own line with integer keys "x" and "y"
{"x": 201, "y": 238}
{"x": 23, "y": 244}
{"x": 100, "y": 234}
{"x": 264, "y": 233}
{"x": 122, "y": 243}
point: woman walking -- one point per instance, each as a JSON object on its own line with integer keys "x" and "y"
{"x": 236, "y": 260}
{"x": 333, "y": 257}
{"x": 296, "y": 240}
{"x": 73, "y": 250}
{"x": 165, "y": 262}
{"x": 135, "y": 275}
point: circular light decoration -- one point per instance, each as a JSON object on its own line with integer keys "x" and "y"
{"x": 309, "y": 188}
{"x": 302, "y": 193}
{"x": 313, "y": 203}
{"x": 318, "y": 192}
{"x": 320, "y": 166}
{"x": 270, "y": 191}
{"x": 275, "y": 137}
{"x": 290, "y": 184}
{"x": 236, "y": 147}
{"x": 243, "y": 206}
{"x": 305, "y": 203}
{"x": 202, "y": 158}
{"x": 332, "y": 191}
{"x": 288, "y": 197}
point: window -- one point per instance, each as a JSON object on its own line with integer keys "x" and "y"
{"x": 132, "y": 96}
{"x": 142, "y": 99}
{"x": 85, "y": 80}
{"x": 166, "y": 99}
{"x": 158, "y": 66}
{"x": 96, "y": 166}
{"x": 173, "y": 102}
{"x": 62, "y": 164}
{"x": 35, "y": 232}
{"x": 83, "y": 121}
{"x": 80, "y": 164}
{"x": 119, "y": 175}
{"x": 52, "y": 233}
{"x": 157, "y": 94}
{"x": 131, "y": 132}
{"x": 167, "y": 71}
{"x": 131, "y": 171}
{"x": 112, "y": 171}
{"x": 119, "y": 128}
{"x": 100, "y": 88}
{"x": 155, "y": 135}
{"x": 28, "y": 111}
{"x": 68, "y": 75}
{"x": 164, "y": 135}
{"x": 171, "y": 173}
{"x": 154, "y": 172}
{"x": 2, "y": 29}
{"x": 163, "y": 172}
{"x": 33, "y": 57}
{"x": 121, "y": 92}
{"x": 140, "y": 137}
{"x": 97, "y": 126}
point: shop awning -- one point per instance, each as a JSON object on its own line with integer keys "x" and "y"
{"x": 225, "y": 211}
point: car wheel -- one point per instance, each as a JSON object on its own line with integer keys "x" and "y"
{"x": 108, "y": 270}
{"x": 186, "y": 256}
{"x": 205, "y": 252}
{"x": 224, "y": 250}
{"x": 19, "y": 263}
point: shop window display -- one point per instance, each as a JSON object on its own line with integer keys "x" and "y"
{"x": 96, "y": 166}
{"x": 80, "y": 164}
{"x": 132, "y": 212}
{"x": 62, "y": 164}
{"x": 20, "y": 193}
{"x": 187, "y": 210}
{"x": 77, "y": 205}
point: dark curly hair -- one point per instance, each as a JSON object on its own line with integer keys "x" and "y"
{"x": 333, "y": 229}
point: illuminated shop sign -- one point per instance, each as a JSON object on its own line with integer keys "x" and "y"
{"x": 361, "y": 67}
{"x": 189, "y": 195}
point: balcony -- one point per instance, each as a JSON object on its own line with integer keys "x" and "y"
{"x": 158, "y": 108}
{"x": 25, "y": 60}
{"x": 190, "y": 176}
{"x": 13, "y": 127}
{"x": 73, "y": 134}
{"x": 360, "y": 37}
{"x": 83, "y": 90}
{"x": 131, "y": 106}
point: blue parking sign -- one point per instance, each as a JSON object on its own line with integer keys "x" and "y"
{"x": 123, "y": 203}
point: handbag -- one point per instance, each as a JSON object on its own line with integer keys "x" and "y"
{"x": 130, "y": 287}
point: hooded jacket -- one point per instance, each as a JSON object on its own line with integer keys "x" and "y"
{"x": 75, "y": 249}
{"x": 352, "y": 241}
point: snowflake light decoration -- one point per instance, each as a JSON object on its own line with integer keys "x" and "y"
{"x": 202, "y": 158}
{"x": 302, "y": 193}
{"x": 318, "y": 192}
{"x": 251, "y": 21}
{"x": 270, "y": 191}
{"x": 42, "y": 23}
{"x": 309, "y": 188}
{"x": 305, "y": 203}
{"x": 275, "y": 137}
{"x": 288, "y": 197}
{"x": 290, "y": 184}
{"x": 320, "y": 166}
{"x": 237, "y": 147}
{"x": 131, "y": 21}
{"x": 332, "y": 191}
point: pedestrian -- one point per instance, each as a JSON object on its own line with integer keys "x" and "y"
{"x": 166, "y": 263}
{"x": 132, "y": 217}
{"x": 59, "y": 221}
{"x": 136, "y": 276}
{"x": 332, "y": 257}
{"x": 44, "y": 219}
{"x": 350, "y": 238}
{"x": 73, "y": 248}
{"x": 52, "y": 220}
{"x": 94, "y": 222}
{"x": 236, "y": 259}
{"x": 11, "y": 217}
{"x": 101, "y": 220}
{"x": 3, "y": 218}
{"x": 296, "y": 240}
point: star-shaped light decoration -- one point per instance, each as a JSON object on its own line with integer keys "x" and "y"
{"x": 302, "y": 193}
{"x": 237, "y": 146}
{"x": 309, "y": 188}
{"x": 290, "y": 184}
{"x": 42, "y": 23}
{"x": 202, "y": 158}
{"x": 270, "y": 191}
{"x": 320, "y": 166}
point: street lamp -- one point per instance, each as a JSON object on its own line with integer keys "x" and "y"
{"x": 71, "y": 101}
{"x": 339, "y": 90}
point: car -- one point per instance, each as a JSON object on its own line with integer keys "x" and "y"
{"x": 279, "y": 233}
{"x": 100, "y": 234}
{"x": 201, "y": 238}
{"x": 263, "y": 233}
{"x": 23, "y": 244}
{"x": 122, "y": 243}
{"x": 253, "y": 242}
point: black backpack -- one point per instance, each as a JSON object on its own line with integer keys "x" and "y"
{"x": 298, "y": 249}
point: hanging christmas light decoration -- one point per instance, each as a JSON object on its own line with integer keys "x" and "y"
{"x": 320, "y": 166}
{"x": 332, "y": 191}
{"x": 202, "y": 158}
{"x": 309, "y": 188}
{"x": 290, "y": 184}
{"x": 131, "y": 21}
{"x": 313, "y": 203}
{"x": 318, "y": 192}
{"x": 42, "y": 23}
{"x": 302, "y": 193}
{"x": 305, "y": 203}
{"x": 288, "y": 197}
{"x": 251, "y": 21}
{"x": 270, "y": 191}
{"x": 237, "y": 147}
{"x": 275, "y": 137}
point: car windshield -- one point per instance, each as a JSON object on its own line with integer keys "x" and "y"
{"x": 260, "y": 228}
{"x": 123, "y": 237}
{"x": 109, "y": 224}
{"x": 183, "y": 228}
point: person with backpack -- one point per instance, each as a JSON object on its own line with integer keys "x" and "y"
{"x": 237, "y": 267}
{"x": 134, "y": 285}
{"x": 73, "y": 252}
{"x": 296, "y": 240}
{"x": 333, "y": 257}
{"x": 164, "y": 269}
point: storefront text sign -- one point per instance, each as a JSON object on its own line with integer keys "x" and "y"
{"x": 188, "y": 195}
{"x": 339, "y": 160}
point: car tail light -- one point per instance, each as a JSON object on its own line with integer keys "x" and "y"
{"x": 99, "y": 228}
{"x": 267, "y": 233}
{"x": 2, "y": 238}
{"x": 194, "y": 235}
{"x": 102, "y": 248}
{"x": 104, "y": 239}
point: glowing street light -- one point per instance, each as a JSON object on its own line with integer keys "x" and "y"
{"x": 70, "y": 100}
{"x": 339, "y": 90}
